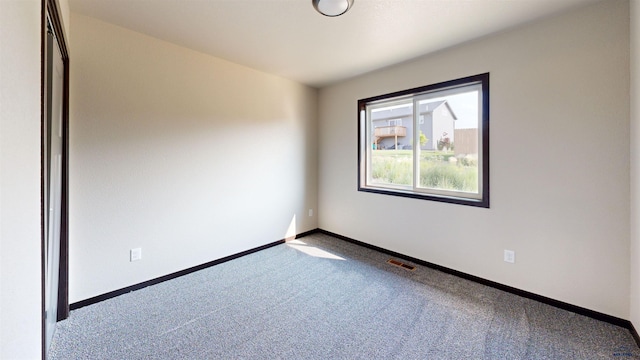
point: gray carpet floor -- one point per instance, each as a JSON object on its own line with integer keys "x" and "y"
{"x": 324, "y": 298}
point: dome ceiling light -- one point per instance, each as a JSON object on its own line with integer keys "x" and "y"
{"x": 332, "y": 8}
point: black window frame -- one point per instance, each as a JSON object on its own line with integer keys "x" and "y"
{"x": 483, "y": 201}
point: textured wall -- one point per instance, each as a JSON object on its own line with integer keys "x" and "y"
{"x": 559, "y": 196}
{"x": 187, "y": 156}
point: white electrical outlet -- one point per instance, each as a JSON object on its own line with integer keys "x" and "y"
{"x": 510, "y": 256}
{"x": 135, "y": 254}
{"x": 310, "y": 212}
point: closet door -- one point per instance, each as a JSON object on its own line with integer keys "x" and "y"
{"x": 52, "y": 146}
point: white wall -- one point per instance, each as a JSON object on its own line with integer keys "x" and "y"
{"x": 187, "y": 156}
{"x": 20, "y": 171}
{"x": 20, "y": 279}
{"x": 559, "y": 162}
{"x": 635, "y": 163}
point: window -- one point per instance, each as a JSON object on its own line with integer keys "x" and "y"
{"x": 429, "y": 143}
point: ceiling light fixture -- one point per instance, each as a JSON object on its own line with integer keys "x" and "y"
{"x": 332, "y": 8}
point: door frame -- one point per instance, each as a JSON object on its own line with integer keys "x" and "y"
{"x": 50, "y": 8}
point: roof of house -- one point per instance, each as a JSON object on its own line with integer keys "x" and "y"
{"x": 430, "y": 107}
{"x": 404, "y": 111}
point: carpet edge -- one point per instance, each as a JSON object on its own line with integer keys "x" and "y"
{"x": 160, "y": 279}
{"x": 523, "y": 293}
{"x": 613, "y": 320}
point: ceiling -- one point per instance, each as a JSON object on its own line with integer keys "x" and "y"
{"x": 289, "y": 38}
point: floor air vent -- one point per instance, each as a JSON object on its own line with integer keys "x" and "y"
{"x": 402, "y": 265}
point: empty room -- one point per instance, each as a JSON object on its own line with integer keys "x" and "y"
{"x": 351, "y": 179}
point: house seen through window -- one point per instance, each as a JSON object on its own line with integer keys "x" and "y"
{"x": 431, "y": 142}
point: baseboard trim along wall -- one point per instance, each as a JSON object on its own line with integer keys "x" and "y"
{"x": 526, "y": 294}
{"x": 634, "y": 333}
{"x": 111, "y": 294}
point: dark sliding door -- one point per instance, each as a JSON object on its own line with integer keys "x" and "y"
{"x": 54, "y": 173}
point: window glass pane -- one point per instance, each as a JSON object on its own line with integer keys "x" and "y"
{"x": 392, "y": 144}
{"x": 449, "y": 141}
{"x": 430, "y": 142}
